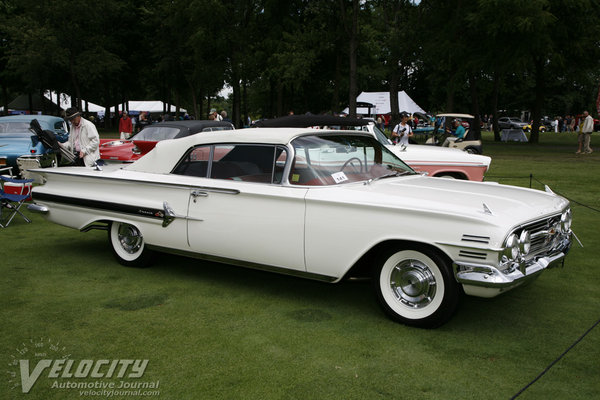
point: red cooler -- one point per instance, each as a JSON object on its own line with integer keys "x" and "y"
{"x": 18, "y": 188}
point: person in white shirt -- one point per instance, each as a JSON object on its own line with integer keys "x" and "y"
{"x": 402, "y": 131}
{"x": 585, "y": 133}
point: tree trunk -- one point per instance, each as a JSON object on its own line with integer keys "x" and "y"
{"x": 245, "y": 102}
{"x": 279, "y": 110}
{"x": 5, "y": 99}
{"x": 353, "y": 89}
{"x": 335, "y": 98}
{"x": 43, "y": 100}
{"x": 107, "y": 121}
{"x": 476, "y": 128}
{"x": 539, "y": 100}
{"x": 394, "y": 105}
{"x": 236, "y": 103}
{"x": 495, "y": 92}
{"x": 75, "y": 84}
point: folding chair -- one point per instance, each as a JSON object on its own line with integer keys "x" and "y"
{"x": 12, "y": 202}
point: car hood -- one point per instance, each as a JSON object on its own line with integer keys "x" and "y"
{"x": 499, "y": 205}
{"x": 421, "y": 153}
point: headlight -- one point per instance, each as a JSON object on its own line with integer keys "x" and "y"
{"x": 565, "y": 221}
{"x": 511, "y": 248}
{"x": 524, "y": 242}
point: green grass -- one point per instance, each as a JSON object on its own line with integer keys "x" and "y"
{"x": 212, "y": 331}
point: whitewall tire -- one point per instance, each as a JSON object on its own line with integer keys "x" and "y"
{"x": 416, "y": 286}
{"x": 128, "y": 245}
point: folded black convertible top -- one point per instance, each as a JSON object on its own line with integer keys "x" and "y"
{"x": 304, "y": 121}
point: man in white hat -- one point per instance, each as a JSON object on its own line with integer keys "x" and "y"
{"x": 84, "y": 140}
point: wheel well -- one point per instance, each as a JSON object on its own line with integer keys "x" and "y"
{"x": 473, "y": 149}
{"x": 454, "y": 174}
{"x": 362, "y": 268}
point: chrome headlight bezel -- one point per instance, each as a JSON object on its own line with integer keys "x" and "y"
{"x": 566, "y": 219}
{"x": 511, "y": 247}
{"x": 524, "y": 243}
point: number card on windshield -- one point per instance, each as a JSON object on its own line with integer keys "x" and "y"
{"x": 339, "y": 177}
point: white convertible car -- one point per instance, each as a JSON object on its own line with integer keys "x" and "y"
{"x": 317, "y": 204}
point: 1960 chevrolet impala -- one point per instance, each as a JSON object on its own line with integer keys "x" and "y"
{"x": 318, "y": 204}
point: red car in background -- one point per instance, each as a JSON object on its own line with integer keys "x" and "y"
{"x": 112, "y": 150}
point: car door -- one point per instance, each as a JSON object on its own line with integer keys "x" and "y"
{"x": 244, "y": 213}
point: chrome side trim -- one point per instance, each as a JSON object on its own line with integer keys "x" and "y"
{"x": 476, "y": 238}
{"x": 245, "y": 264}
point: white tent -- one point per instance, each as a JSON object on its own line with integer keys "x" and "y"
{"x": 65, "y": 102}
{"x": 151, "y": 106}
{"x": 381, "y": 101}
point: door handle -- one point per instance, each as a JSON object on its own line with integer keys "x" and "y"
{"x": 198, "y": 193}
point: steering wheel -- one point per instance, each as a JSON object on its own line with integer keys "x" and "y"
{"x": 349, "y": 161}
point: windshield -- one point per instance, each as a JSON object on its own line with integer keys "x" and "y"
{"x": 157, "y": 133}
{"x": 335, "y": 159}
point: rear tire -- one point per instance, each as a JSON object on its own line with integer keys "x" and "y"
{"x": 128, "y": 245}
{"x": 416, "y": 286}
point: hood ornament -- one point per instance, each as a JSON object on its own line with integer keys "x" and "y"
{"x": 486, "y": 209}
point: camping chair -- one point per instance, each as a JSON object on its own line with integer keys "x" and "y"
{"x": 12, "y": 202}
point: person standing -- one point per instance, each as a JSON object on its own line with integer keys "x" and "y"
{"x": 143, "y": 121}
{"x": 402, "y": 131}
{"x": 585, "y": 133}
{"x": 125, "y": 126}
{"x": 84, "y": 140}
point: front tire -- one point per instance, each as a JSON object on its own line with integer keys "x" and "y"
{"x": 128, "y": 245}
{"x": 416, "y": 286}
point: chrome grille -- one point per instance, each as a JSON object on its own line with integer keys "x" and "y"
{"x": 543, "y": 233}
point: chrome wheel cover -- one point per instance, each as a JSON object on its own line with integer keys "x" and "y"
{"x": 130, "y": 238}
{"x": 413, "y": 283}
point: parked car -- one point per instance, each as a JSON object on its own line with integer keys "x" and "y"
{"x": 130, "y": 150}
{"x": 435, "y": 161}
{"x": 511, "y": 123}
{"x": 318, "y": 204}
{"x": 17, "y": 139}
{"x": 547, "y": 123}
{"x": 527, "y": 128}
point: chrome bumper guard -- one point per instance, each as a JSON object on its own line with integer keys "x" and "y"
{"x": 37, "y": 208}
{"x": 488, "y": 281}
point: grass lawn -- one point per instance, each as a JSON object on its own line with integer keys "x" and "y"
{"x": 212, "y": 331}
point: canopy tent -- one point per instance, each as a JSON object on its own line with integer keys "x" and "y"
{"x": 65, "y": 102}
{"x": 381, "y": 102}
{"x": 151, "y": 106}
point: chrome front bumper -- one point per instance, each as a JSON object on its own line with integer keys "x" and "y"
{"x": 488, "y": 281}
